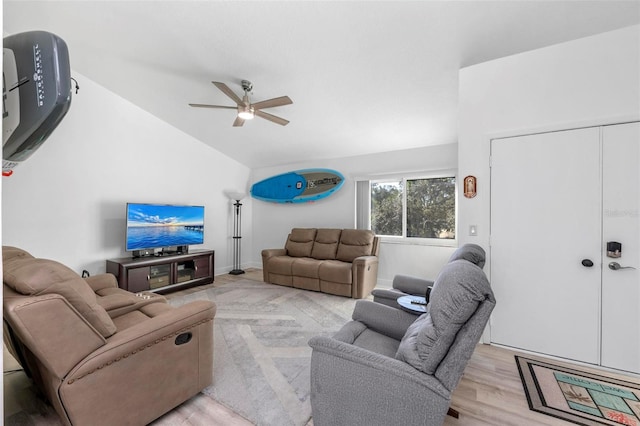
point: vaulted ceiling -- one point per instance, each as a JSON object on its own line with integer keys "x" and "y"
{"x": 364, "y": 76}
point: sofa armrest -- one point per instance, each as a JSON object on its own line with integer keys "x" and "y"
{"x": 355, "y": 354}
{"x": 144, "y": 370}
{"x": 266, "y": 255}
{"x": 115, "y": 301}
{"x": 147, "y": 334}
{"x": 387, "y": 296}
{"x": 366, "y": 260}
{"x": 101, "y": 282}
{"x": 411, "y": 285}
{"x": 341, "y": 373}
{"x": 365, "y": 276}
{"x": 384, "y": 319}
{"x": 122, "y": 302}
{"x": 52, "y": 330}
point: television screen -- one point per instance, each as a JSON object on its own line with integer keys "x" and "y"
{"x": 152, "y": 226}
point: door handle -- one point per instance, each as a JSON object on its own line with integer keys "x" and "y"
{"x": 614, "y": 266}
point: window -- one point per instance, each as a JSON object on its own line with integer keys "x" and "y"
{"x": 411, "y": 208}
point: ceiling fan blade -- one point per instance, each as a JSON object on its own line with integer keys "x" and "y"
{"x": 270, "y": 103}
{"x": 238, "y": 122}
{"x": 271, "y": 117}
{"x": 211, "y": 106}
{"x": 225, "y": 89}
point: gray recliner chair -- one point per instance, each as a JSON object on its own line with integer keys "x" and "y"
{"x": 406, "y": 285}
{"x": 387, "y": 367}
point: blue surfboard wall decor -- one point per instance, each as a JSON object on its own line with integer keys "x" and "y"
{"x": 300, "y": 186}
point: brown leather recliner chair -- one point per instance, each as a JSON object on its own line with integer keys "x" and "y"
{"x": 99, "y": 354}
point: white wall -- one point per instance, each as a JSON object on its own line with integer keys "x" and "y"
{"x": 272, "y": 222}
{"x": 590, "y": 81}
{"x": 67, "y": 201}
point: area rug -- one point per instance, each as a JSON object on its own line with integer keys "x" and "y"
{"x": 578, "y": 396}
{"x": 261, "y": 356}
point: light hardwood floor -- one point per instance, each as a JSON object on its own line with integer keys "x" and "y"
{"x": 490, "y": 392}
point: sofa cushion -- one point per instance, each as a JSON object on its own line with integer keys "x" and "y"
{"x": 35, "y": 277}
{"x": 376, "y": 342}
{"x": 281, "y": 265}
{"x": 335, "y": 271}
{"x": 355, "y": 243}
{"x": 300, "y": 242}
{"x": 305, "y": 267}
{"x": 325, "y": 245}
{"x": 457, "y": 292}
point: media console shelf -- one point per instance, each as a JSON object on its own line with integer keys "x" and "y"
{"x": 164, "y": 273}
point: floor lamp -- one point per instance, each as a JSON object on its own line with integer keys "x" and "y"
{"x": 237, "y": 233}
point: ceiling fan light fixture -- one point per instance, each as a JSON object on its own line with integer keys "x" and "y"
{"x": 246, "y": 112}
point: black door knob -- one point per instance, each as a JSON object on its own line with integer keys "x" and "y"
{"x": 587, "y": 262}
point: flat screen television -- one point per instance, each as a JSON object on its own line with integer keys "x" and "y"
{"x": 163, "y": 226}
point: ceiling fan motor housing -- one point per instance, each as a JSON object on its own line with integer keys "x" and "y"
{"x": 247, "y": 86}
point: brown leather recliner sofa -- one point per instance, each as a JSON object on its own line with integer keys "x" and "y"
{"x": 99, "y": 354}
{"x": 343, "y": 262}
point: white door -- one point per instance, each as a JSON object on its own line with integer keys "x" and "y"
{"x": 557, "y": 200}
{"x": 621, "y": 223}
{"x": 545, "y": 232}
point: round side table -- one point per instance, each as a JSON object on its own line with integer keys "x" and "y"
{"x": 413, "y": 304}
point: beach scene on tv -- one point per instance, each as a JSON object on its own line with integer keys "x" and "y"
{"x": 153, "y": 226}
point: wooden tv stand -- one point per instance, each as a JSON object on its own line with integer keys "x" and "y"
{"x": 163, "y": 274}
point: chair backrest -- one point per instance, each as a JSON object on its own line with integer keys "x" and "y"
{"x": 10, "y": 254}
{"x": 470, "y": 252}
{"x": 376, "y": 246}
{"x": 31, "y": 276}
{"x": 472, "y": 279}
{"x": 452, "y": 367}
{"x": 441, "y": 341}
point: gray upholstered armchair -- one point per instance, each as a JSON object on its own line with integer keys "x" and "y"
{"x": 388, "y": 366}
{"x": 404, "y": 285}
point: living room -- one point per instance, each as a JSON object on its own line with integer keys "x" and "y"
{"x": 67, "y": 202}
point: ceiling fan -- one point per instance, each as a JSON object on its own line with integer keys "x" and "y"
{"x": 247, "y": 110}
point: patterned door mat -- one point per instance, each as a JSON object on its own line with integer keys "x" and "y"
{"x": 579, "y": 396}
